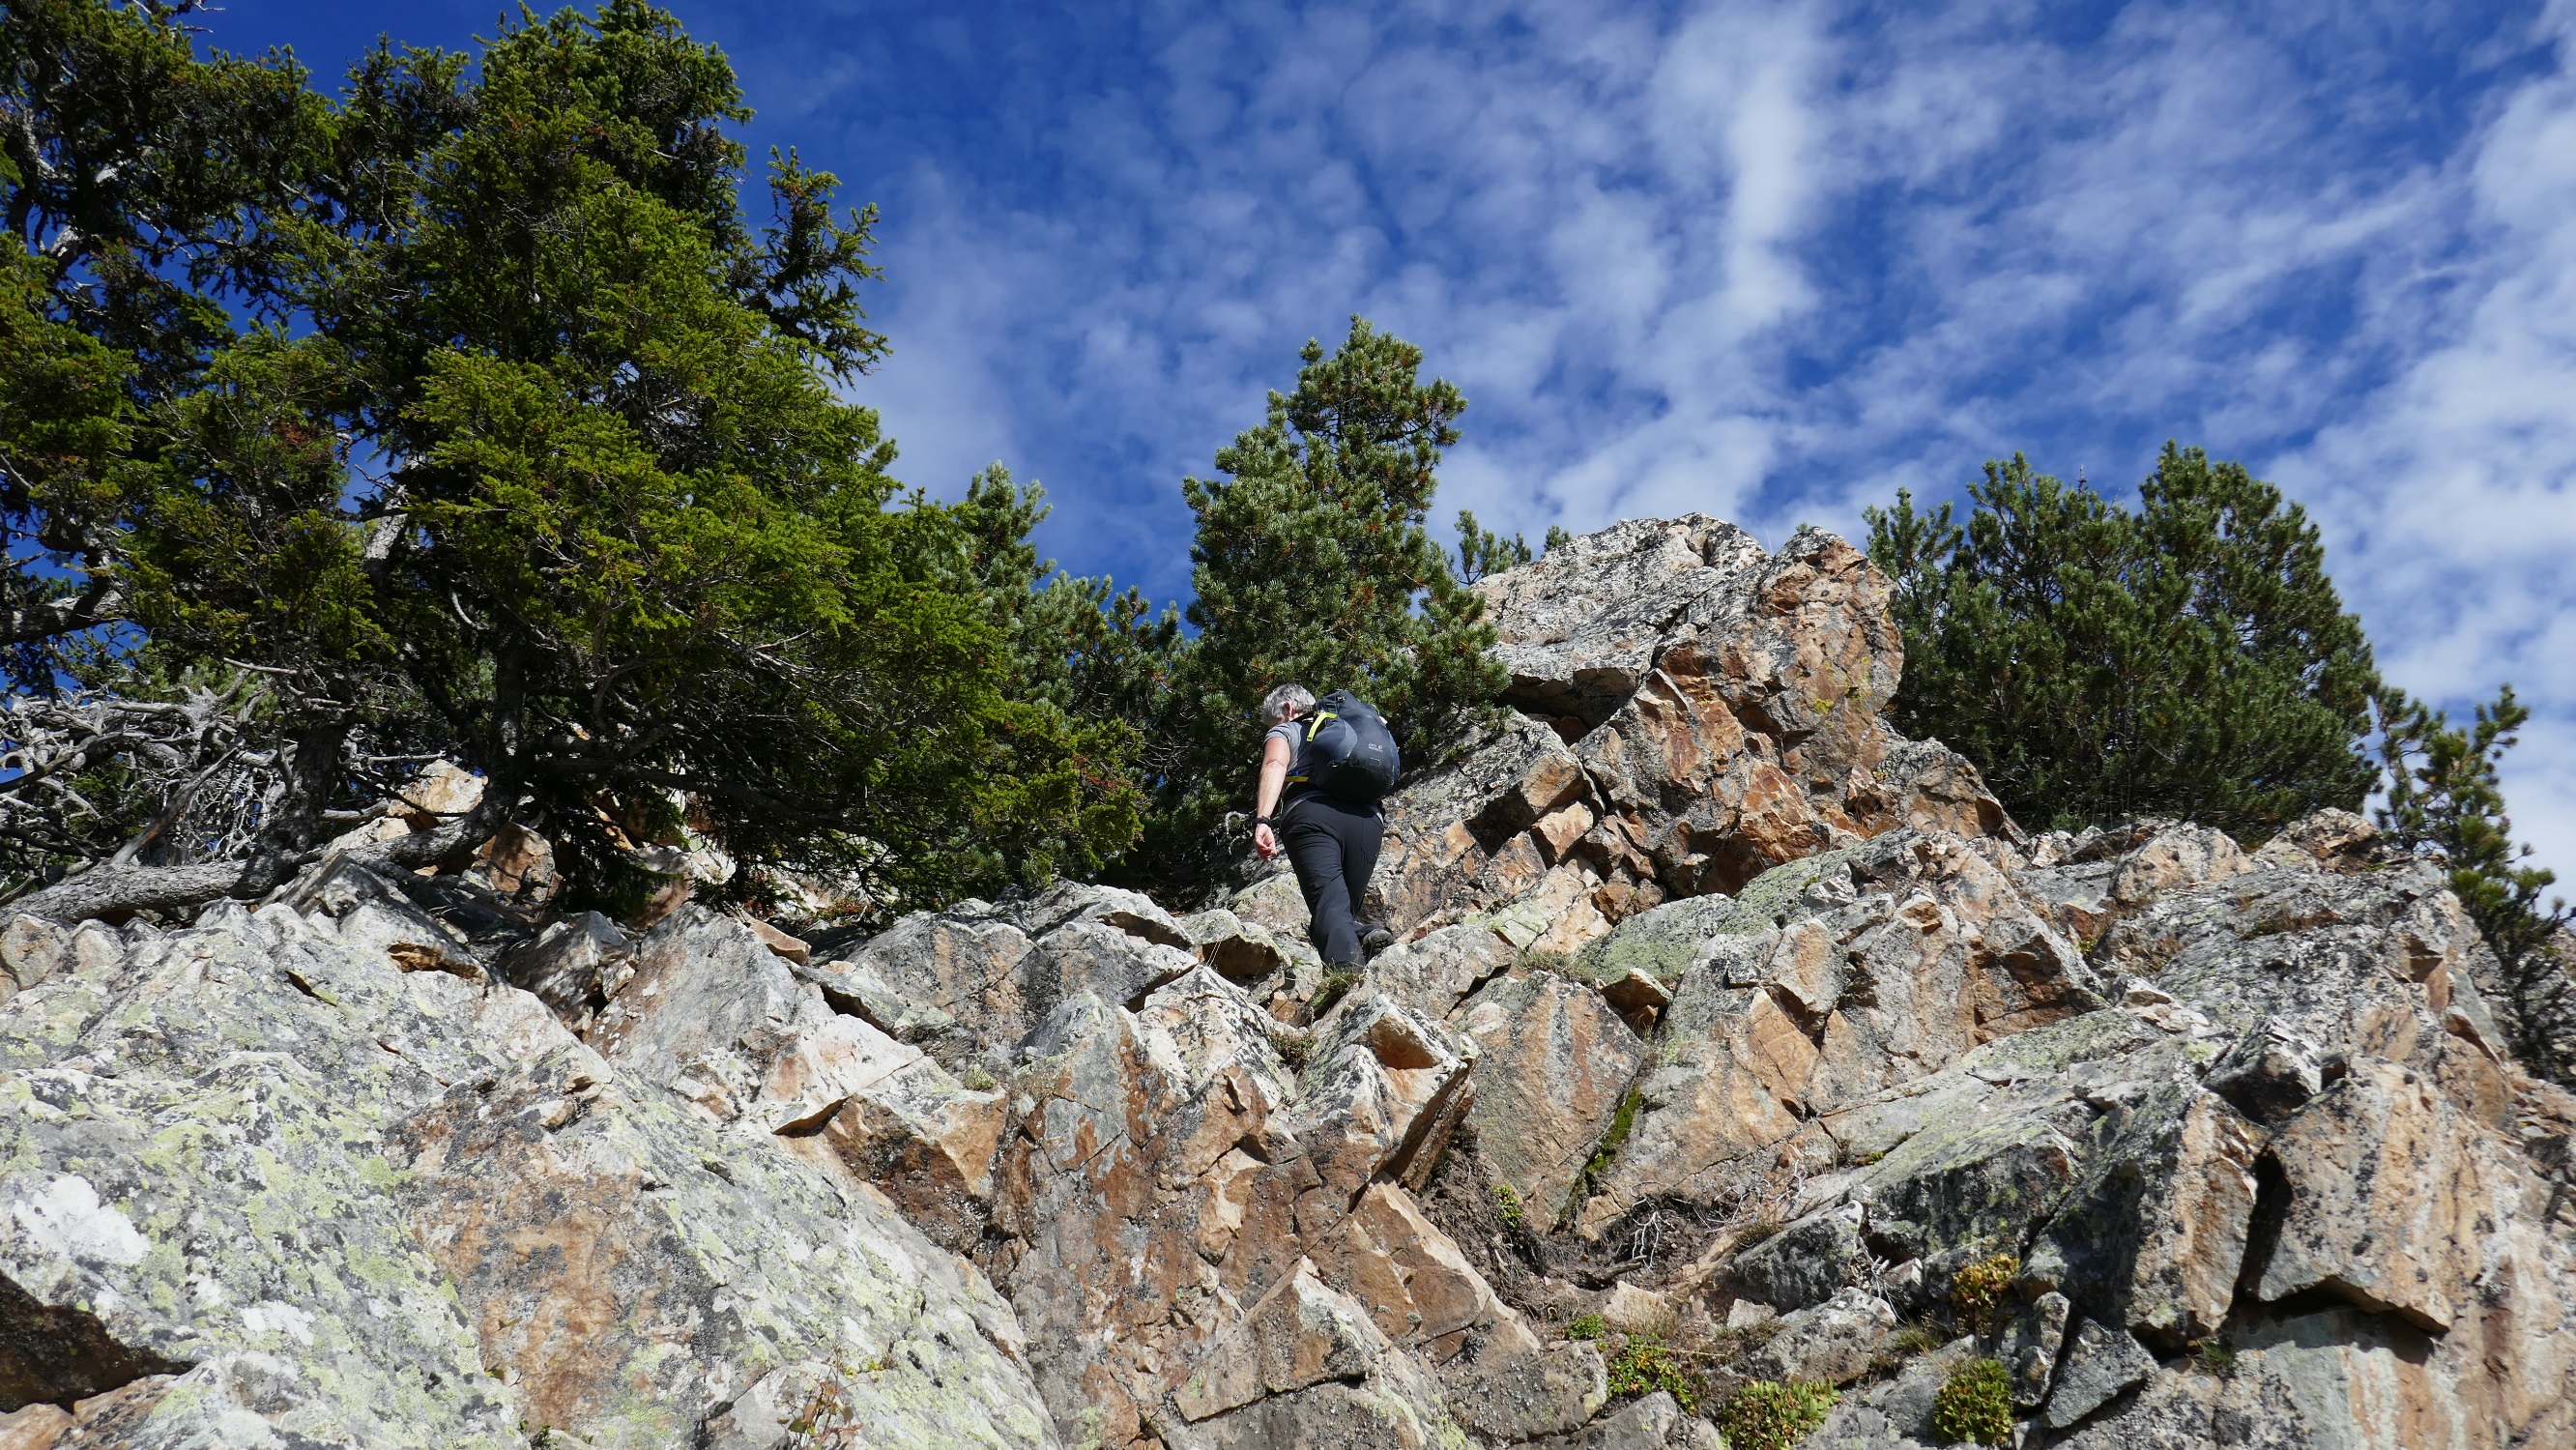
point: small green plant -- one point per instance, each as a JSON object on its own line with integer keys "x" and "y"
{"x": 1977, "y": 1291}
{"x": 1622, "y": 1123}
{"x": 1540, "y": 959}
{"x": 2214, "y": 1357}
{"x": 1333, "y": 988}
{"x": 1769, "y": 1415}
{"x": 1510, "y": 1205}
{"x": 976, "y": 1078}
{"x": 1293, "y": 1047}
{"x": 826, "y": 1420}
{"x": 1911, "y": 1340}
{"x": 1586, "y": 1326}
{"x": 1646, "y": 1364}
{"x": 1975, "y": 1404}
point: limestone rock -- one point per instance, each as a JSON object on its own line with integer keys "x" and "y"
{"x": 1579, "y": 628}
{"x": 2154, "y": 1236}
{"x": 2030, "y": 1348}
{"x": 708, "y": 1009}
{"x": 1459, "y": 842}
{"x": 1275, "y": 905}
{"x": 31, "y": 952}
{"x": 859, "y": 991}
{"x": 132, "y": 1244}
{"x": 2176, "y": 857}
{"x": 2269, "y": 1074}
{"x": 2337, "y": 841}
{"x": 1384, "y": 1088}
{"x": 1239, "y": 950}
{"x": 602, "y": 1237}
{"x": 1130, "y": 912}
{"x": 893, "y": 1118}
{"x": 2100, "y": 1362}
{"x": 1505, "y": 1387}
{"x": 1833, "y": 1341}
{"x": 1632, "y": 1310}
{"x": 1932, "y": 952}
{"x": 1804, "y": 1264}
{"x": 1694, "y": 712}
{"x": 1088, "y": 954}
{"x": 1554, "y": 1062}
{"x": 572, "y": 965}
{"x": 1163, "y": 1168}
{"x": 963, "y": 963}
{"x": 1435, "y": 972}
{"x": 1301, "y": 1333}
{"x": 1893, "y": 1413}
{"x": 2388, "y": 1198}
{"x": 305, "y": 1194}
{"x": 1651, "y": 1422}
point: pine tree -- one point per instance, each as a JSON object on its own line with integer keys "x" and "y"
{"x": 2446, "y": 797}
{"x": 2189, "y": 659}
{"x": 474, "y": 416}
{"x": 1312, "y": 563}
{"x": 1482, "y": 552}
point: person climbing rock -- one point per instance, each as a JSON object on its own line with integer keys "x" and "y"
{"x": 1324, "y": 768}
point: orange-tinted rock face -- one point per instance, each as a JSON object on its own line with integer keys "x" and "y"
{"x": 1718, "y": 1003}
{"x": 1694, "y": 713}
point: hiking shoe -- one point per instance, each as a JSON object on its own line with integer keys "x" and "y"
{"x": 1375, "y": 937}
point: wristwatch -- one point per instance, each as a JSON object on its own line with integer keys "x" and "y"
{"x": 1262, "y": 821}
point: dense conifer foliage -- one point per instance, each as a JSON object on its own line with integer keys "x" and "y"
{"x": 2445, "y": 797}
{"x": 469, "y": 414}
{"x": 1312, "y": 562}
{"x": 2189, "y": 659}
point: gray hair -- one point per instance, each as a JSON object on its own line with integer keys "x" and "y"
{"x": 1276, "y": 705}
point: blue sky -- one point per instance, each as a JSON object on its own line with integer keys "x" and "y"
{"x": 1770, "y": 262}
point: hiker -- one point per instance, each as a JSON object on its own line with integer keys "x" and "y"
{"x": 1323, "y": 770}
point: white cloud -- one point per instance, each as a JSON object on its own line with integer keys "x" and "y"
{"x": 1773, "y": 261}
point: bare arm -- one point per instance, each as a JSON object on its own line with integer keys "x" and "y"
{"x": 1274, "y": 776}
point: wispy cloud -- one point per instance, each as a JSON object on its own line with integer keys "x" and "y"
{"x": 1768, "y": 260}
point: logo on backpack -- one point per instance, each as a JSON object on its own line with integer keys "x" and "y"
{"x": 1348, "y": 752}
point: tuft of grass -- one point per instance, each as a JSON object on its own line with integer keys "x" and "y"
{"x": 2213, "y": 1357}
{"x": 1975, "y": 1404}
{"x": 1646, "y": 1364}
{"x": 1293, "y": 1047}
{"x": 1541, "y": 959}
{"x": 1509, "y": 1203}
{"x": 1622, "y": 1123}
{"x": 1333, "y": 988}
{"x": 1769, "y": 1415}
{"x": 1977, "y": 1291}
{"x": 1586, "y": 1326}
{"x": 1911, "y": 1341}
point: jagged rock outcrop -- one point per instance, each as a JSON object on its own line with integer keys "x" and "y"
{"x": 1725, "y": 1021}
{"x": 276, "y": 1180}
{"x": 1694, "y": 713}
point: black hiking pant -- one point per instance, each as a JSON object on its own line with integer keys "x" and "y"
{"x": 1333, "y": 844}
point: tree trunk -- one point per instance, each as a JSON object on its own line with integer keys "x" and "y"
{"x": 124, "y": 890}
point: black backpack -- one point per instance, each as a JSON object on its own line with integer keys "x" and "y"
{"x": 1348, "y": 752}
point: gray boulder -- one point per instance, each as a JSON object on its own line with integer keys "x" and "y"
{"x": 2100, "y": 1362}
{"x": 1805, "y": 1264}
{"x": 1834, "y": 1341}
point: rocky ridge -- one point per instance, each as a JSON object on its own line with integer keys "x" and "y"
{"x": 1732, "y": 1039}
